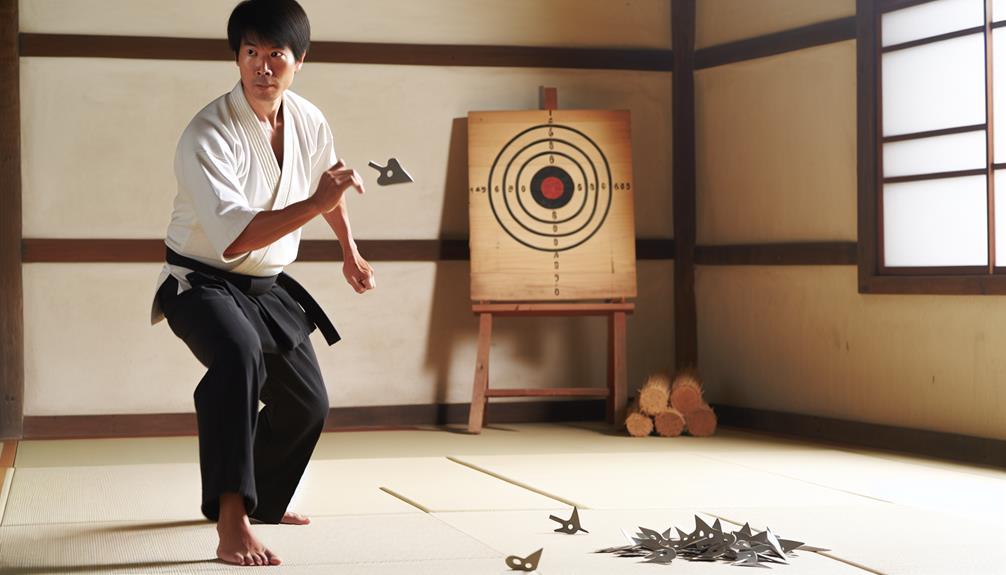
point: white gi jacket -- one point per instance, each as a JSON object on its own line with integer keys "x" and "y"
{"x": 227, "y": 173}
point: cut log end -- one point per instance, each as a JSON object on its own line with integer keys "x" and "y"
{"x": 639, "y": 425}
{"x": 686, "y": 393}
{"x": 701, "y": 422}
{"x": 655, "y": 394}
{"x": 670, "y": 423}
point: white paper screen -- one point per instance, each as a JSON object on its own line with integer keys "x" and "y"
{"x": 934, "y": 86}
{"x": 936, "y": 223}
{"x": 939, "y": 154}
{"x": 931, "y": 19}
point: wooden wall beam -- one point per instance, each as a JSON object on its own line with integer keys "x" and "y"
{"x": 151, "y": 251}
{"x": 867, "y": 142}
{"x": 683, "y": 112}
{"x": 787, "y": 254}
{"x": 149, "y": 47}
{"x": 11, "y": 295}
{"x": 778, "y": 43}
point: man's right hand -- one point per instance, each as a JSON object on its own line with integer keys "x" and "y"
{"x": 333, "y": 184}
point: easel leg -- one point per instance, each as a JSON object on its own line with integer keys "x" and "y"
{"x": 617, "y": 368}
{"x": 477, "y": 411}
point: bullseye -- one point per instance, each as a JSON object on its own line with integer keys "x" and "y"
{"x": 551, "y": 188}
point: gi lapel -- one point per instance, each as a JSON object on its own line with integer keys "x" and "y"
{"x": 290, "y": 148}
{"x": 261, "y": 146}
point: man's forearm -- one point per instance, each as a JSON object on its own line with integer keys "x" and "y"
{"x": 338, "y": 220}
{"x": 267, "y": 227}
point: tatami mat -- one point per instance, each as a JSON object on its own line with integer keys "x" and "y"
{"x": 108, "y": 493}
{"x": 523, "y": 532}
{"x": 969, "y": 495}
{"x": 646, "y": 480}
{"x": 527, "y": 438}
{"x": 94, "y": 514}
{"x": 334, "y": 543}
{"x": 890, "y": 539}
{"x": 169, "y": 492}
{"x": 118, "y": 451}
{"x": 434, "y": 483}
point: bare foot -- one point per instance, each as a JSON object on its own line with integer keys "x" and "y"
{"x": 238, "y": 545}
{"x": 291, "y": 518}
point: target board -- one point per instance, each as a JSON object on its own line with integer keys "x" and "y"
{"x": 550, "y": 205}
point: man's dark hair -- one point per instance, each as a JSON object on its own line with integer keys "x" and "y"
{"x": 282, "y": 22}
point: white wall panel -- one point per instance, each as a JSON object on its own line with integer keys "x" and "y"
{"x": 776, "y": 148}
{"x": 599, "y": 23}
{"x": 98, "y": 138}
{"x": 803, "y": 340}
{"x": 722, "y": 21}
{"x": 89, "y": 348}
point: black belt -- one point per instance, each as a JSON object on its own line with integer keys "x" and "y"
{"x": 241, "y": 286}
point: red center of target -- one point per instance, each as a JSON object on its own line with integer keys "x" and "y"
{"x": 551, "y": 188}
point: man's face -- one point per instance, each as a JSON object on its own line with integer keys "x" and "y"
{"x": 266, "y": 70}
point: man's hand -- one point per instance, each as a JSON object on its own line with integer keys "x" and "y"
{"x": 333, "y": 184}
{"x": 358, "y": 273}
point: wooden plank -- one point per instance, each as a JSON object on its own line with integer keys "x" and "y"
{"x": 933, "y": 39}
{"x": 164, "y": 48}
{"x": 11, "y": 288}
{"x": 549, "y": 392}
{"x": 551, "y": 212}
{"x": 339, "y": 418}
{"x": 777, "y": 43}
{"x": 934, "y": 176}
{"x": 683, "y": 112}
{"x": 480, "y": 385}
{"x": 46, "y": 250}
{"x": 935, "y": 285}
{"x": 787, "y": 254}
{"x": 979, "y": 450}
{"x": 618, "y": 369}
{"x": 867, "y": 141}
{"x": 8, "y": 454}
{"x": 552, "y": 309}
{"x": 990, "y": 180}
{"x": 933, "y": 133}
{"x": 548, "y": 98}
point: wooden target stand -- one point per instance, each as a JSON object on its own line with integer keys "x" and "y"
{"x": 615, "y": 311}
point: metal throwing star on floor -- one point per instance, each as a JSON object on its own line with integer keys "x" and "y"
{"x": 529, "y": 563}
{"x": 569, "y": 526}
{"x": 710, "y": 543}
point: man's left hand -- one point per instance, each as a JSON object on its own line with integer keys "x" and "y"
{"x": 358, "y": 273}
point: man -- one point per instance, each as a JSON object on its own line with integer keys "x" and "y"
{"x": 246, "y": 167}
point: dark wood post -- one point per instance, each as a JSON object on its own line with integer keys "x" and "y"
{"x": 683, "y": 112}
{"x": 11, "y": 306}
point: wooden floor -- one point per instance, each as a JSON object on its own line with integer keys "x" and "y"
{"x": 441, "y": 501}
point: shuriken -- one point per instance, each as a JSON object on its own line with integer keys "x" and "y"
{"x": 529, "y": 563}
{"x": 569, "y": 526}
{"x": 394, "y": 173}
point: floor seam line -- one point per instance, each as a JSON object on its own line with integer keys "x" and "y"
{"x": 405, "y": 499}
{"x": 517, "y": 483}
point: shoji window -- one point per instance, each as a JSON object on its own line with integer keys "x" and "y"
{"x": 942, "y": 86}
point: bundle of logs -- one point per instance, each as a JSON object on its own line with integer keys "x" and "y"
{"x": 670, "y": 408}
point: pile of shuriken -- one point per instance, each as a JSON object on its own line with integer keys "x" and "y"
{"x": 709, "y": 543}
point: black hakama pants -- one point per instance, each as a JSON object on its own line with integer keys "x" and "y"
{"x": 259, "y": 454}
